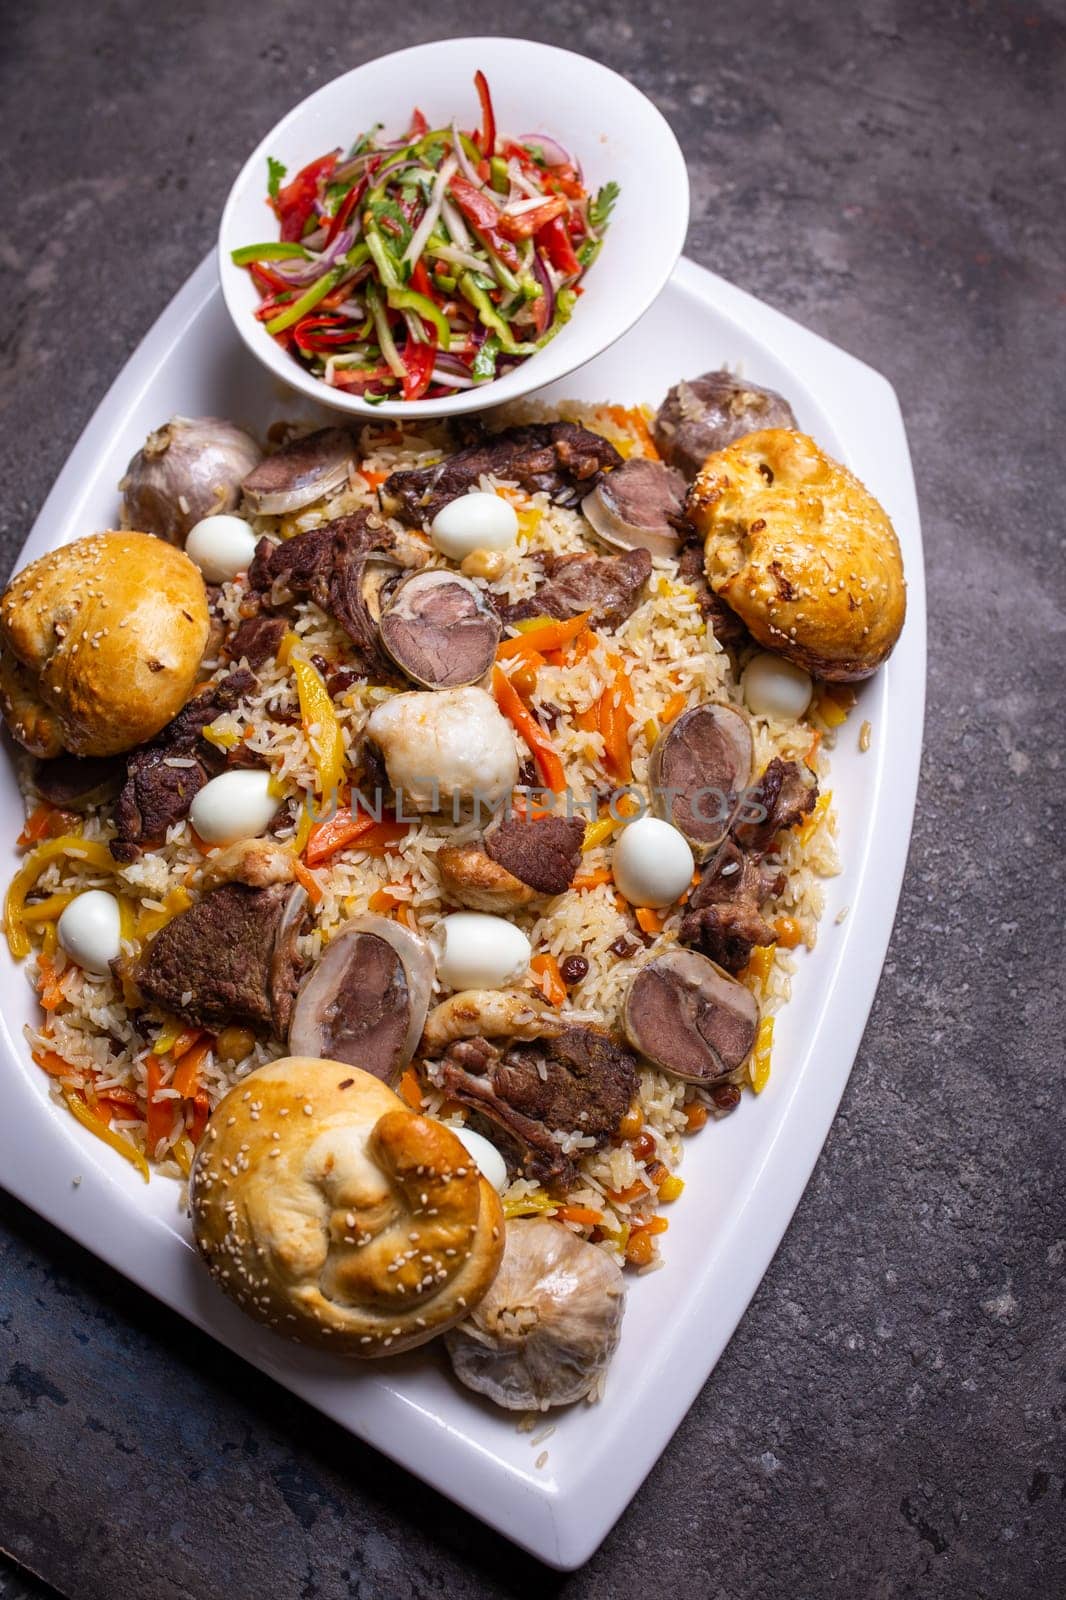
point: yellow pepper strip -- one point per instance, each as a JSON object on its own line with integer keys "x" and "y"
{"x": 529, "y": 1205}
{"x": 833, "y": 705}
{"x": 651, "y": 731}
{"x": 168, "y": 1037}
{"x": 50, "y": 941}
{"x": 221, "y": 738}
{"x": 760, "y": 963}
{"x": 316, "y": 709}
{"x": 760, "y": 1059}
{"x": 149, "y": 920}
{"x": 68, "y": 844}
{"x": 816, "y": 818}
{"x": 48, "y": 910}
{"x": 183, "y": 1152}
{"x": 597, "y": 833}
{"x": 288, "y": 643}
{"x": 303, "y": 827}
{"x": 129, "y": 1152}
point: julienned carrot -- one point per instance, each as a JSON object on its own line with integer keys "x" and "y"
{"x": 186, "y": 1078}
{"x": 344, "y": 827}
{"x": 518, "y": 713}
{"x": 49, "y": 992}
{"x": 41, "y": 822}
{"x": 388, "y": 831}
{"x": 581, "y": 1214}
{"x": 673, "y": 707}
{"x": 591, "y": 880}
{"x": 633, "y": 419}
{"x": 411, "y": 1090}
{"x": 307, "y": 881}
{"x": 53, "y": 1064}
{"x": 648, "y": 921}
{"x": 615, "y": 717}
{"x": 549, "y": 978}
{"x": 185, "y": 1041}
{"x": 547, "y": 635}
{"x": 373, "y": 479}
{"x": 159, "y": 1114}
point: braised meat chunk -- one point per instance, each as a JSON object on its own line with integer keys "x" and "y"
{"x": 164, "y": 777}
{"x": 559, "y": 459}
{"x": 230, "y": 958}
{"x": 723, "y": 623}
{"x": 302, "y": 471}
{"x": 257, "y": 639}
{"x": 342, "y": 567}
{"x": 640, "y": 504}
{"x": 610, "y": 587}
{"x": 538, "y": 1093}
{"x": 724, "y": 918}
{"x": 688, "y": 1017}
{"x": 542, "y": 852}
{"x": 74, "y": 783}
{"x": 439, "y": 629}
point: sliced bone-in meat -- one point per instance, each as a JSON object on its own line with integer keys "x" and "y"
{"x": 257, "y": 639}
{"x": 543, "y": 852}
{"x": 785, "y": 794}
{"x": 164, "y": 777}
{"x": 705, "y": 414}
{"x": 686, "y": 1016}
{"x": 365, "y": 1000}
{"x": 230, "y": 958}
{"x": 641, "y": 505}
{"x": 579, "y": 1082}
{"x": 559, "y": 459}
{"x": 439, "y": 629}
{"x": 723, "y": 622}
{"x": 300, "y": 472}
{"x": 610, "y": 587}
{"x": 342, "y": 568}
{"x": 699, "y": 766}
{"x": 74, "y": 783}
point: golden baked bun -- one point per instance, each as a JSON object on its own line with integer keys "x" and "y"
{"x": 802, "y": 552}
{"x": 330, "y": 1211}
{"x": 100, "y": 644}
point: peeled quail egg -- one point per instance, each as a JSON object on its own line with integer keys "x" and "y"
{"x": 774, "y": 687}
{"x": 480, "y": 952}
{"x": 652, "y": 863}
{"x": 90, "y": 930}
{"x": 490, "y": 1163}
{"x": 221, "y": 546}
{"x": 475, "y": 521}
{"x": 235, "y": 805}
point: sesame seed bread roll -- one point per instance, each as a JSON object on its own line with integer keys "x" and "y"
{"x": 100, "y": 644}
{"x": 330, "y": 1211}
{"x": 802, "y": 552}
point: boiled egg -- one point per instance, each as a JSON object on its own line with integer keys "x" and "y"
{"x": 774, "y": 687}
{"x": 489, "y": 1161}
{"x": 652, "y": 863}
{"x": 221, "y": 546}
{"x": 480, "y": 952}
{"x": 475, "y": 521}
{"x": 90, "y": 930}
{"x": 235, "y": 805}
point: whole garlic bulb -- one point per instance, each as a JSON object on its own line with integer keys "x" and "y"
{"x": 190, "y": 468}
{"x": 549, "y": 1324}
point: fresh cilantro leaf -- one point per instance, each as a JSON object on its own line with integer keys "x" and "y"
{"x": 600, "y": 209}
{"x": 276, "y": 170}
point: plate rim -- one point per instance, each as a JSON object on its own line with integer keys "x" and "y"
{"x": 561, "y": 1524}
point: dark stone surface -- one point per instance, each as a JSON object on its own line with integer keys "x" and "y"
{"x": 887, "y": 1419}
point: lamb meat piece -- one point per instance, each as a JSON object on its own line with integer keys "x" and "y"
{"x": 706, "y": 414}
{"x": 723, "y": 919}
{"x": 74, "y": 783}
{"x": 723, "y": 623}
{"x": 230, "y": 958}
{"x": 640, "y": 504}
{"x": 439, "y": 630}
{"x": 700, "y": 765}
{"x": 155, "y": 795}
{"x": 559, "y": 459}
{"x": 687, "y": 1017}
{"x": 257, "y": 639}
{"x": 331, "y": 565}
{"x": 610, "y": 587}
{"x": 785, "y": 793}
{"x": 542, "y": 852}
{"x": 302, "y": 471}
{"x": 579, "y": 1082}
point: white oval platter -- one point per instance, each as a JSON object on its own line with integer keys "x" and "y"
{"x": 744, "y": 1176}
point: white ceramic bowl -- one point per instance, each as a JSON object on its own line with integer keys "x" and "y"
{"x": 612, "y": 129}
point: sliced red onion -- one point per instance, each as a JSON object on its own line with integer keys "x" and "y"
{"x": 433, "y": 211}
{"x": 553, "y": 152}
{"x": 543, "y": 277}
{"x": 299, "y": 273}
{"x": 465, "y": 166}
{"x": 451, "y": 380}
{"x": 456, "y": 226}
{"x": 460, "y": 258}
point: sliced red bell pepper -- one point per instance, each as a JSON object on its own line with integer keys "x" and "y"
{"x": 554, "y": 240}
{"x": 418, "y": 359}
{"x": 479, "y": 210}
{"x": 346, "y": 207}
{"x": 419, "y": 126}
{"x": 267, "y": 280}
{"x": 324, "y": 332}
{"x": 296, "y": 200}
{"x": 527, "y": 223}
{"x": 486, "y": 139}
{"x": 420, "y": 281}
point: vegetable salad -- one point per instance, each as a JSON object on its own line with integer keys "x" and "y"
{"x": 423, "y": 266}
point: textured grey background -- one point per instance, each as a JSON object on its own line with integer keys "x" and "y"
{"x": 888, "y": 1418}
